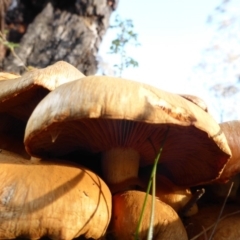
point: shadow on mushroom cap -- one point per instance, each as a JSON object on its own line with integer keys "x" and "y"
{"x": 96, "y": 114}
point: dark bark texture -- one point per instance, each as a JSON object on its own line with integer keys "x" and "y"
{"x": 49, "y": 31}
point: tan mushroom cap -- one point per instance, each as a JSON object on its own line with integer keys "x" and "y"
{"x": 54, "y": 199}
{"x": 19, "y": 96}
{"x": 98, "y": 114}
{"x": 127, "y": 207}
{"x": 231, "y": 130}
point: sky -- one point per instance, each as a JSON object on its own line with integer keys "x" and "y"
{"x": 172, "y": 35}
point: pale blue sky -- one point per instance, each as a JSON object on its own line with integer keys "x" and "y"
{"x": 172, "y": 34}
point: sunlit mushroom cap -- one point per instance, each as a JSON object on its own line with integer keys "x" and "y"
{"x": 97, "y": 113}
{"x": 19, "y": 96}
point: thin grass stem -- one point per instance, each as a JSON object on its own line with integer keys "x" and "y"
{"x": 153, "y": 173}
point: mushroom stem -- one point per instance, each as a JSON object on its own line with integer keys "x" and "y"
{"x": 119, "y": 165}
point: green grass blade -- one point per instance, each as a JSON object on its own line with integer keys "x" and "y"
{"x": 150, "y": 183}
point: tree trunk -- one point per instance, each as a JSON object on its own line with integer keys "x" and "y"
{"x": 49, "y": 31}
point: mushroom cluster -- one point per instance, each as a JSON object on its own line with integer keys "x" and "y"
{"x": 78, "y": 153}
{"x": 43, "y": 197}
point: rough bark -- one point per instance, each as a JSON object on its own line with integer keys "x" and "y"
{"x": 62, "y": 30}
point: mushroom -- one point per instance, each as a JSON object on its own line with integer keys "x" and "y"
{"x": 19, "y": 96}
{"x": 127, "y": 121}
{"x": 51, "y": 198}
{"x": 167, "y": 224}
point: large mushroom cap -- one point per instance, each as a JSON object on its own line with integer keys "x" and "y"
{"x": 98, "y": 114}
{"x": 19, "y": 96}
{"x": 55, "y": 199}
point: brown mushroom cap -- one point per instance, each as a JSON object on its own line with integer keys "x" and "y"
{"x": 98, "y": 114}
{"x": 231, "y": 130}
{"x": 127, "y": 209}
{"x": 55, "y": 199}
{"x": 19, "y": 96}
